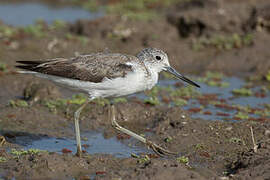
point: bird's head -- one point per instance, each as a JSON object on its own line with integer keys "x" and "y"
{"x": 157, "y": 60}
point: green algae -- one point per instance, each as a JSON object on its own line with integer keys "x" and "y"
{"x": 242, "y": 92}
{"x": 18, "y": 103}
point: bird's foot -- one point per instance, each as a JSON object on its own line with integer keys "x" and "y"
{"x": 79, "y": 152}
{"x": 159, "y": 150}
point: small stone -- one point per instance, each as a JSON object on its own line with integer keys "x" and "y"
{"x": 14, "y": 45}
{"x": 36, "y": 91}
{"x": 267, "y": 133}
{"x": 183, "y": 116}
{"x": 224, "y": 178}
{"x": 228, "y": 128}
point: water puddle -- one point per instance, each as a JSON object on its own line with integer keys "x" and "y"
{"x": 92, "y": 143}
{"x": 218, "y": 103}
{"x": 23, "y": 14}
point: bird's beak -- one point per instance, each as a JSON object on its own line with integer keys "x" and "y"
{"x": 180, "y": 76}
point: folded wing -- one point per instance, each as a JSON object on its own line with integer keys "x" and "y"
{"x": 92, "y": 68}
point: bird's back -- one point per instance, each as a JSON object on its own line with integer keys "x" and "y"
{"x": 91, "y": 68}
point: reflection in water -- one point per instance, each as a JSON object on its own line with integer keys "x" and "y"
{"x": 22, "y": 14}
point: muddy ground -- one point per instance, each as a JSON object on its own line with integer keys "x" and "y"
{"x": 227, "y": 36}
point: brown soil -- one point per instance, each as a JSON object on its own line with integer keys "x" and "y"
{"x": 216, "y": 150}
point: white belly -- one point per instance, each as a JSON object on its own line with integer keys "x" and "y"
{"x": 132, "y": 83}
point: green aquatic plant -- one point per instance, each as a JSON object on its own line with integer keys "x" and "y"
{"x": 78, "y": 99}
{"x": 3, "y": 67}
{"x": 134, "y": 155}
{"x": 35, "y": 30}
{"x": 179, "y": 102}
{"x": 267, "y": 76}
{"x": 2, "y": 159}
{"x": 69, "y": 36}
{"x": 18, "y": 103}
{"x": 7, "y": 32}
{"x": 214, "y": 79}
{"x": 182, "y": 159}
{"x": 153, "y": 92}
{"x": 242, "y": 92}
{"x": 101, "y": 101}
{"x": 214, "y": 75}
{"x": 58, "y": 24}
{"x": 19, "y": 153}
{"x": 218, "y": 84}
{"x": 223, "y": 42}
{"x": 188, "y": 91}
{"x": 199, "y": 146}
{"x": 120, "y": 100}
{"x": 167, "y": 89}
{"x": 54, "y": 104}
{"x": 241, "y": 115}
{"x": 143, "y": 159}
{"x": 138, "y": 9}
{"x": 168, "y": 139}
{"x": 83, "y": 40}
{"x": 236, "y": 140}
{"x": 132, "y": 12}
{"x": 152, "y": 101}
{"x": 263, "y": 113}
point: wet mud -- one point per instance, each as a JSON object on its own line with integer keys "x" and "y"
{"x": 220, "y": 131}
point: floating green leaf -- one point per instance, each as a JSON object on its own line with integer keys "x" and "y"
{"x": 180, "y": 102}
{"x": 242, "y": 115}
{"x": 242, "y": 92}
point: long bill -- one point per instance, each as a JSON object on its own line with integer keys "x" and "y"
{"x": 180, "y": 76}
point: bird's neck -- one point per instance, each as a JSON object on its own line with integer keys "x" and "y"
{"x": 151, "y": 77}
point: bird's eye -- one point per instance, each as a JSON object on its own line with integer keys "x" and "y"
{"x": 158, "y": 58}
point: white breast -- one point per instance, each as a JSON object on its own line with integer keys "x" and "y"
{"x": 132, "y": 83}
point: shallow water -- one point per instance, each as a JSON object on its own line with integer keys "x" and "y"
{"x": 222, "y": 93}
{"x": 95, "y": 142}
{"x": 22, "y": 14}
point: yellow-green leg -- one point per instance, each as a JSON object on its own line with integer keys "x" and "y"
{"x": 157, "y": 149}
{"x": 77, "y": 128}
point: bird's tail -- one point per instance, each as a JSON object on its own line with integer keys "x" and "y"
{"x": 28, "y": 65}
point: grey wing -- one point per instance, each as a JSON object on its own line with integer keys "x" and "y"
{"x": 93, "y": 67}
